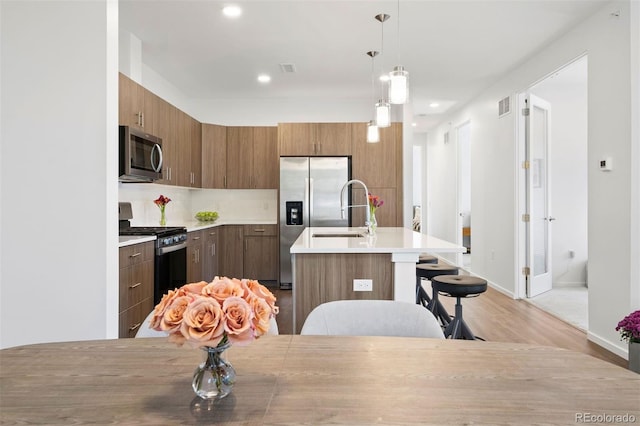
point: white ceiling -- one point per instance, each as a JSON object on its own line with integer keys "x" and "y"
{"x": 452, "y": 49}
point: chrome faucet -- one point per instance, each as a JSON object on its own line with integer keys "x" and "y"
{"x": 367, "y": 222}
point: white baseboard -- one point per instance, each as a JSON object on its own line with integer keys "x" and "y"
{"x": 621, "y": 351}
{"x": 566, "y": 284}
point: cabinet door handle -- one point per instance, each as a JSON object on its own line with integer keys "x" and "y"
{"x": 213, "y": 249}
{"x": 135, "y": 327}
{"x": 196, "y": 238}
{"x": 135, "y": 255}
{"x": 142, "y": 119}
{"x": 259, "y": 230}
{"x": 212, "y": 233}
{"x": 135, "y": 285}
{"x": 169, "y": 173}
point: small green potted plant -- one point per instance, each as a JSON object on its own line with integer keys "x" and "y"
{"x": 629, "y": 329}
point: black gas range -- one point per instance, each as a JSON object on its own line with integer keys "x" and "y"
{"x": 166, "y": 236}
{"x": 170, "y": 264}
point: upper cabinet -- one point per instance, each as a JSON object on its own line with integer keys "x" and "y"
{"x": 252, "y": 158}
{"x": 214, "y": 156}
{"x": 137, "y": 106}
{"x": 266, "y": 163}
{"x": 314, "y": 139}
{"x": 377, "y": 164}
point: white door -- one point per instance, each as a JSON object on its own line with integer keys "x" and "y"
{"x": 538, "y": 205}
{"x": 464, "y": 190}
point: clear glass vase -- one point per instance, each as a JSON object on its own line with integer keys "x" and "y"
{"x": 215, "y": 376}
{"x": 374, "y": 222}
{"x": 163, "y": 219}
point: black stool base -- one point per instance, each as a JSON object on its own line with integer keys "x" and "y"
{"x": 457, "y": 328}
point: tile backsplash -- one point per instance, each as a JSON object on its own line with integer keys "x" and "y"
{"x": 231, "y": 204}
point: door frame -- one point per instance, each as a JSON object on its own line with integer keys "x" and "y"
{"x": 520, "y": 240}
{"x": 459, "y": 221}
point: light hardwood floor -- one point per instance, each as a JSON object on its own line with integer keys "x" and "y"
{"x": 496, "y": 317}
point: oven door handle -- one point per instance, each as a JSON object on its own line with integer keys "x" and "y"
{"x": 164, "y": 250}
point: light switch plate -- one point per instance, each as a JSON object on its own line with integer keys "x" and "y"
{"x": 362, "y": 285}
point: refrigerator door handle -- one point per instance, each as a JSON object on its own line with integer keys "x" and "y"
{"x": 310, "y": 201}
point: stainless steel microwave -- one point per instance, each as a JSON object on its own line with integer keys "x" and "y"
{"x": 140, "y": 156}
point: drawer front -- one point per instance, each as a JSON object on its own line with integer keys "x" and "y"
{"x": 131, "y": 320}
{"x": 135, "y": 254}
{"x": 261, "y": 230}
{"x": 136, "y": 284}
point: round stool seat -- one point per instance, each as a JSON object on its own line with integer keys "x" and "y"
{"x": 459, "y": 285}
{"x": 430, "y": 270}
{"x": 427, "y": 258}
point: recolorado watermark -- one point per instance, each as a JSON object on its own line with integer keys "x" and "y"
{"x": 605, "y": 418}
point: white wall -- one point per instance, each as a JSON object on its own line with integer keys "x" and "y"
{"x": 568, "y": 167}
{"x": 58, "y": 258}
{"x": 607, "y": 40}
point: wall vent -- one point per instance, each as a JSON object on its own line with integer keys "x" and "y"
{"x": 287, "y": 68}
{"x": 504, "y": 106}
{"x": 446, "y": 138}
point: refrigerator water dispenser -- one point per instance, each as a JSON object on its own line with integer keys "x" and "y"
{"x": 294, "y": 213}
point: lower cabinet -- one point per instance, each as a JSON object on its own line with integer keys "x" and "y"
{"x": 136, "y": 287}
{"x": 260, "y": 257}
{"x": 210, "y": 266}
{"x": 195, "y": 261}
{"x": 232, "y": 251}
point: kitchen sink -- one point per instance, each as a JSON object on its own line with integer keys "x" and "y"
{"x": 338, "y": 235}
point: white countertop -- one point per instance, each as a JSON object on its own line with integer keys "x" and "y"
{"x": 129, "y": 240}
{"x": 385, "y": 240}
{"x": 197, "y": 225}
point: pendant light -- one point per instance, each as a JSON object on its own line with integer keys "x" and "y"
{"x": 399, "y": 77}
{"x": 383, "y": 108}
{"x": 373, "y": 133}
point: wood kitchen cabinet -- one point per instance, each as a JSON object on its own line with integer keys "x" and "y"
{"x": 308, "y": 139}
{"x": 265, "y": 169}
{"x": 196, "y": 153}
{"x": 239, "y": 157}
{"x": 210, "y": 263}
{"x": 261, "y": 252}
{"x": 214, "y": 156}
{"x": 252, "y": 158}
{"x": 379, "y": 166}
{"x": 137, "y": 106}
{"x": 376, "y": 163}
{"x": 232, "y": 251}
{"x": 135, "y": 287}
{"x": 195, "y": 256}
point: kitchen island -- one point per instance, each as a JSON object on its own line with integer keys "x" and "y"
{"x": 326, "y": 261}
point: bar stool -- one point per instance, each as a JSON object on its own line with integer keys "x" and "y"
{"x": 427, "y": 258}
{"x": 458, "y": 286}
{"x": 429, "y": 271}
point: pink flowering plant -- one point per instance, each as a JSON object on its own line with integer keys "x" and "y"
{"x": 374, "y": 202}
{"x": 629, "y": 327}
{"x": 226, "y": 310}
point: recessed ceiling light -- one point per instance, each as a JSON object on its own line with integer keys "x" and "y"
{"x": 264, "y": 78}
{"x": 231, "y": 11}
{"x": 414, "y": 124}
{"x": 434, "y": 105}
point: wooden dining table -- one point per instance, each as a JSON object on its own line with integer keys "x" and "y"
{"x": 293, "y": 379}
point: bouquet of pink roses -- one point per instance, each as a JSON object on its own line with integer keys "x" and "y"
{"x": 212, "y": 314}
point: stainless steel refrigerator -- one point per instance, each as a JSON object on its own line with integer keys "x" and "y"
{"x": 309, "y": 196}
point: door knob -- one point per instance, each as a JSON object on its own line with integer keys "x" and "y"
{"x": 550, "y": 218}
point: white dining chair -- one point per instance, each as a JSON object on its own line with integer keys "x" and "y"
{"x": 145, "y": 331}
{"x": 372, "y": 318}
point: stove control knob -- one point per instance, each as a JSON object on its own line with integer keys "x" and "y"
{"x": 166, "y": 241}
